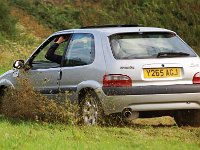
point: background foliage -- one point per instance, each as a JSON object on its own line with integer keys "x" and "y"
{"x": 181, "y": 16}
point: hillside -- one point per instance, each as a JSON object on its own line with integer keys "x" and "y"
{"x": 30, "y": 21}
{"x": 182, "y": 16}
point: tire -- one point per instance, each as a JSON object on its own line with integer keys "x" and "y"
{"x": 91, "y": 111}
{"x": 188, "y": 118}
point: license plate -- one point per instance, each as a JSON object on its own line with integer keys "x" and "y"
{"x": 162, "y": 73}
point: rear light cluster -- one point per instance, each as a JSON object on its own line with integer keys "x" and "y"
{"x": 117, "y": 80}
{"x": 196, "y": 78}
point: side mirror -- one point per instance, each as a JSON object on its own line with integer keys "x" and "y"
{"x": 18, "y": 64}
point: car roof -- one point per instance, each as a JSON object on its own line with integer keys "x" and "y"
{"x": 114, "y": 30}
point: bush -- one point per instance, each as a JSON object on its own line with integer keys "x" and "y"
{"x": 26, "y": 104}
{"x": 56, "y": 18}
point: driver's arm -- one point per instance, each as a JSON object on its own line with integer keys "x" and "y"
{"x": 50, "y": 55}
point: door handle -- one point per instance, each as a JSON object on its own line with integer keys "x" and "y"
{"x": 60, "y": 76}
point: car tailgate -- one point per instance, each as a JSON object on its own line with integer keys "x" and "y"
{"x": 159, "y": 71}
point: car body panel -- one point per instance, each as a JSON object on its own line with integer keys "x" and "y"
{"x": 117, "y": 103}
{"x": 78, "y": 75}
{"x": 134, "y": 69}
{"x": 7, "y": 79}
{"x": 44, "y": 80}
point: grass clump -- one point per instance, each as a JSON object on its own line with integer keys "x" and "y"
{"x": 25, "y": 104}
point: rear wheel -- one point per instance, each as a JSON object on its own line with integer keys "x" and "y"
{"x": 91, "y": 110}
{"x": 92, "y": 113}
{"x": 188, "y": 118}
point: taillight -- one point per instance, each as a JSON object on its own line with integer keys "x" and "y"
{"x": 117, "y": 80}
{"x": 196, "y": 78}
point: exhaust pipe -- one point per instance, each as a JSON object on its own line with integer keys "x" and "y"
{"x": 129, "y": 114}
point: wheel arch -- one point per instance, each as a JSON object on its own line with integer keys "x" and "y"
{"x": 6, "y": 83}
{"x": 87, "y": 86}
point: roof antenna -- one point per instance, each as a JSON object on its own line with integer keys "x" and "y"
{"x": 140, "y": 32}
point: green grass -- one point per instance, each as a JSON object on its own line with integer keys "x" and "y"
{"x": 33, "y": 135}
{"x": 3, "y": 71}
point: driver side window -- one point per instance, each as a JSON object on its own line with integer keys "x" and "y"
{"x": 41, "y": 62}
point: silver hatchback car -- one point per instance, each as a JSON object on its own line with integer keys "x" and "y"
{"x": 126, "y": 71}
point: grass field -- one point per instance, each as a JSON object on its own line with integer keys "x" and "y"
{"x": 33, "y": 135}
{"x": 1, "y": 72}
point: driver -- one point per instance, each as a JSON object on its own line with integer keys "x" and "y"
{"x": 50, "y": 55}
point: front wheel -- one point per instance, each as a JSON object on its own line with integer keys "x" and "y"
{"x": 188, "y": 118}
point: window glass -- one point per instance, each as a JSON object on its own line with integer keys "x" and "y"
{"x": 40, "y": 61}
{"x": 148, "y": 45}
{"x": 80, "y": 50}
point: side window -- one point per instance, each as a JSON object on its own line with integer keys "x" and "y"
{"x": 40, "y": 61}
{"x": 41, "y": 56}
{"x": 81, "y": 50}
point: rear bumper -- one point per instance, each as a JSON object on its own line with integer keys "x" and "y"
{"x": 145, "y": 90}
{"x": 150, "y": 98}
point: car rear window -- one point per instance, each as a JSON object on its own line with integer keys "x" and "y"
{"x": 148, "y": 45}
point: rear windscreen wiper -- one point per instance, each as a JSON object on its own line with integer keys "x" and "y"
{"x": 172, "y": 54}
